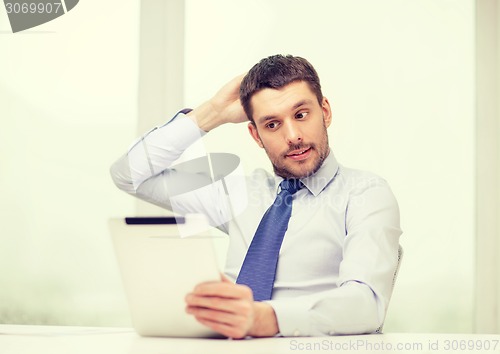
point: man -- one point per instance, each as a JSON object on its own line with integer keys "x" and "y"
{"x": 339, "y": 251}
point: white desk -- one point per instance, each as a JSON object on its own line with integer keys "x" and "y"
{"x": 88, "y": 340}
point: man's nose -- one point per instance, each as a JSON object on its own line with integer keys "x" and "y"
{"x": 293, "y": 134}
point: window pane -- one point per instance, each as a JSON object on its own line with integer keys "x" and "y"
{"x": 68, "y": 103}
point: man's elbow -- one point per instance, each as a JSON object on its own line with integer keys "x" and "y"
{"x": 120, "y": 174}
{"x": 365, "y": 320}
{"x": 355, "y": 310}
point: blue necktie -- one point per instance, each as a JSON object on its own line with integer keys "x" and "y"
{"x": 259, "y": 267}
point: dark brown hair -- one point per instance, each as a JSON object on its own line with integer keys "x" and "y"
{"x": 276, "y": 72}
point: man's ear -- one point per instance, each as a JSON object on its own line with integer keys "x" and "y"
{"x": 327, "y": 112}
{"x": 252, "y": 129}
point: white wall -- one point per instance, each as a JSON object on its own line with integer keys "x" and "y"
{"x": 400, "y": 76}
{"x": 68, "y": 108}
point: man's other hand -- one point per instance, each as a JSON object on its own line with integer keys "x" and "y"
{"x": 229, "y": 309}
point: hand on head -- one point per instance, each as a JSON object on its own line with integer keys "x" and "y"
{"x": 226, "y": 102}
{"x": 223, "y": 107}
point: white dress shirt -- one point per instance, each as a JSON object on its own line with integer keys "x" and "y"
{"x": 340, "y": 252}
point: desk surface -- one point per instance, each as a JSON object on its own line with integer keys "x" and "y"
{"x": 90, "y": 340}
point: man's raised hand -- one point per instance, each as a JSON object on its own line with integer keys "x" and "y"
{"x": 223, "y": 107}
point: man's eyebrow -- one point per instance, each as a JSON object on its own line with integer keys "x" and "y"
{"x": 266, "y": 118}
{"x": 301, "y": 103}
{"x": 295, "y": 106}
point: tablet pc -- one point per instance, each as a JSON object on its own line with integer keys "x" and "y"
{"x": 158, "y": 268}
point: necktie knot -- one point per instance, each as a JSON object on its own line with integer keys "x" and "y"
{"x": 291, "y": 185}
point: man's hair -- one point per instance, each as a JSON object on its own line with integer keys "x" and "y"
{"x": 276, "y": 72}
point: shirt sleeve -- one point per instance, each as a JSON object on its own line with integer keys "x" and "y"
{"x": 148, "y": 172}
{"x": 366, "y": 276}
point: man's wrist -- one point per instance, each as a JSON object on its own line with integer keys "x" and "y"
{"x": 265, "y": 323}
{"x": 205, "y": 117}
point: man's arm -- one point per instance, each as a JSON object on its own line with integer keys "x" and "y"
{"x": 144, "y": 171}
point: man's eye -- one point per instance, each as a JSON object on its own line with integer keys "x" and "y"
{"x": 301, "y": 115}
{"x": 272, "y": 125}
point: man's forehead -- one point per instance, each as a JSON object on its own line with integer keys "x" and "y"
{"x": 269, "y": 101}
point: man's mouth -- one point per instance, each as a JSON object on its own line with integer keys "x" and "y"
{"x": 299, "y": 154}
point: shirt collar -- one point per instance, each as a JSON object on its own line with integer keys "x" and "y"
{"x": 318, "y": 181}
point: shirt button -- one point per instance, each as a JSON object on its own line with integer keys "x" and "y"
{"x": 296, "y": 333}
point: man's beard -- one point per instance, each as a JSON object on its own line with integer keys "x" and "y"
{"x": 322, "y": 148}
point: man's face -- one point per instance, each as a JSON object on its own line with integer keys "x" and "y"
{"x": 291, "y": 125}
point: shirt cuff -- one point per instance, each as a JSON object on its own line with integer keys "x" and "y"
{"x": 292, "y": 316}
{"x": 184, "y": 112}
{"x": 180, "y": 135}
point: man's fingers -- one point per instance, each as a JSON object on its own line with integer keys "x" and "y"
{"x": 217, "y": 316}
{"x": 234, "y": 325}
{"x": 223, "y": 289}
{"x": 222, "y": 306}
{"x": 219, "y": 304}
{"x": 224, "y": 329}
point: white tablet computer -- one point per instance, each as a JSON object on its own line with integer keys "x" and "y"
{"x": 159, "y": 268}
